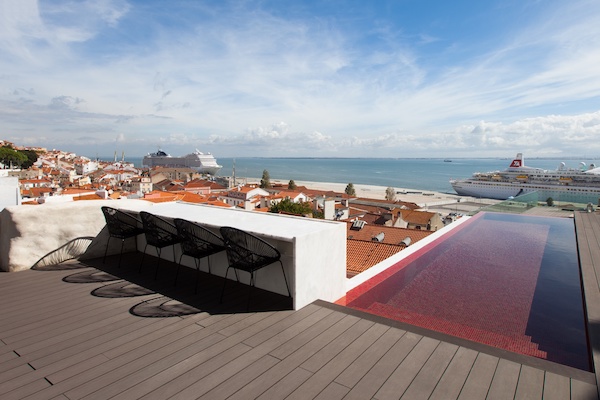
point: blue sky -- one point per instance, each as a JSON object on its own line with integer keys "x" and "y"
{"x": 398, "y": 78}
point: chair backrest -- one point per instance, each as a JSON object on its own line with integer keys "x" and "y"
{"x": 158, "y": 232}
{"x": 196, "y": 240}
{"x": 119, "y": 223}
{"x": 246, "y": 249}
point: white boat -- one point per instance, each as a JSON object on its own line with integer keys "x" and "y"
{"x": 204, "y": 163}
{"x": 564, "y": 184}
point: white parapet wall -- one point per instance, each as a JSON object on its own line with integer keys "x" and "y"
{"x": 29, "y": 232}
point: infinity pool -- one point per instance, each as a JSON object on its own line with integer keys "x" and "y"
{"x": 508, "y": 281}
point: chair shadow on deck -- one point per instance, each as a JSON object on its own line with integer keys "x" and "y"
{"x": 180, "y": 300}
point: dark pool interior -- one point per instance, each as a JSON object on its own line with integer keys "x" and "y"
{"x": 504, "y": 280}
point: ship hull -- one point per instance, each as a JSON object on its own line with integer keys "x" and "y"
{"x": 505, "y": 190}
{"x": 200, "y": 162}
{"x": 563, "y": 184}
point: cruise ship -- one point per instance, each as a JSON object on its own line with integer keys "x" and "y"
{"x": 564, "y": 184}
{"x": 204, "y": 163}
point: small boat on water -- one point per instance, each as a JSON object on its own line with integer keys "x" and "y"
{"x": 581, "y": 184}
{"x": 204, "y": 163}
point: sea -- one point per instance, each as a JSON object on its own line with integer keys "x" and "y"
{"x": 431, "y": 174}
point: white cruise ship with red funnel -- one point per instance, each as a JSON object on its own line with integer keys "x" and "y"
{"x": 571, "y": 184}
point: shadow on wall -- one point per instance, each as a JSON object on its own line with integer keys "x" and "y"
{"x": 70, "y": 250}
{"x": 30, "y": 234}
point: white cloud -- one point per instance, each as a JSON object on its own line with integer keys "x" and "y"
{"x": 76, "y": 67}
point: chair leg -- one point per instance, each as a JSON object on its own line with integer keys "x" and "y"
{"x": 158, "y": 251}
{"x": 197, "y": 260}
{"x": 224, "y": 283}
{"x": 106, "y": 250}
{"x": 177, "y": 272}
{"x": 143, "y": 256}
{"x": 285, "y": 279}
{"x": 121, "y": 253}
{"x": 250, "y": 290}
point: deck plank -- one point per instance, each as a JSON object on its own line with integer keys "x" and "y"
{"x": 505, "y": 380}
{"x": 326, "y": 374}
{"x": 454, "y": 377}
{"x": 385, "y": 367}
{"x": 556, "y": 387}
{"x": 185, "y": 373}
{"x": 587, "y": 227}
{"x": 293, "y": 324}
{"x": 426, "y": 380}
{"x": 294, "y": 360}
{"x": 480, "y": 377}
{"x": 368, "y": 358}
{"x": 531, "y": 384}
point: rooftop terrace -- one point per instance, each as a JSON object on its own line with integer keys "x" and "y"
{"x": 91, "y": 330}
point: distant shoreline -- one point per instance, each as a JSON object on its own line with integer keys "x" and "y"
{"x": 374, "y": 192}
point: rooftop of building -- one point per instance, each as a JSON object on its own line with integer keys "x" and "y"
{"x": 90, "y": 329}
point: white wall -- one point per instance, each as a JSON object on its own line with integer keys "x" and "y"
{"x": 9, "y": 192}
{"x": 28, "y": 233}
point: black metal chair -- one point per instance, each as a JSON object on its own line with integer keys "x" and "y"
{"x": 121, "y": 225}
{"x": 246, "y": 252}
{"x": 159, "y": 233}
{"x": 197, "y": 242}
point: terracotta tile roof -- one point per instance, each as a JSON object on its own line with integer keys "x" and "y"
{"x": 218, "y": 203}
{"x": 244, "y": 189}
{"x": 36, "y": 191}
{"x": 386, "y": 203}
{"x": 203, "y": 183}
{"x": 43, "y": 180}
{"x": 362, "y": 255}
{"x": 324, "y": 193}
{"x": 165, "y": 197}
{"x": 75, "y": 190}
{"x": 88, "y": 197}
{"x": 391, "y": 235}
{"x": 376, "y": 219}
{"x": 365, "y": 208}
{"x": 415, "y": 217}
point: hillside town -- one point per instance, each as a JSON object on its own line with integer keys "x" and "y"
{"x": 376, "y": 229}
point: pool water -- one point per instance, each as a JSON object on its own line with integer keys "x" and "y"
{"x": 504, "y": 280}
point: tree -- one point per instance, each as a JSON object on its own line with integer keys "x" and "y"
{"x": 32, "y": 157}
{"x": 550, "y": 201}
{"x": 292, "y": 185}
{"x": 350, "y": 190}
{"x": 390, "y": 194}
{"x": 10, "y": 157}
{"x": 265, "y": 182}
{"x": 288, "y": 206}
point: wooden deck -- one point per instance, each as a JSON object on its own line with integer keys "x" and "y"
{"x": 73, "y": 334}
